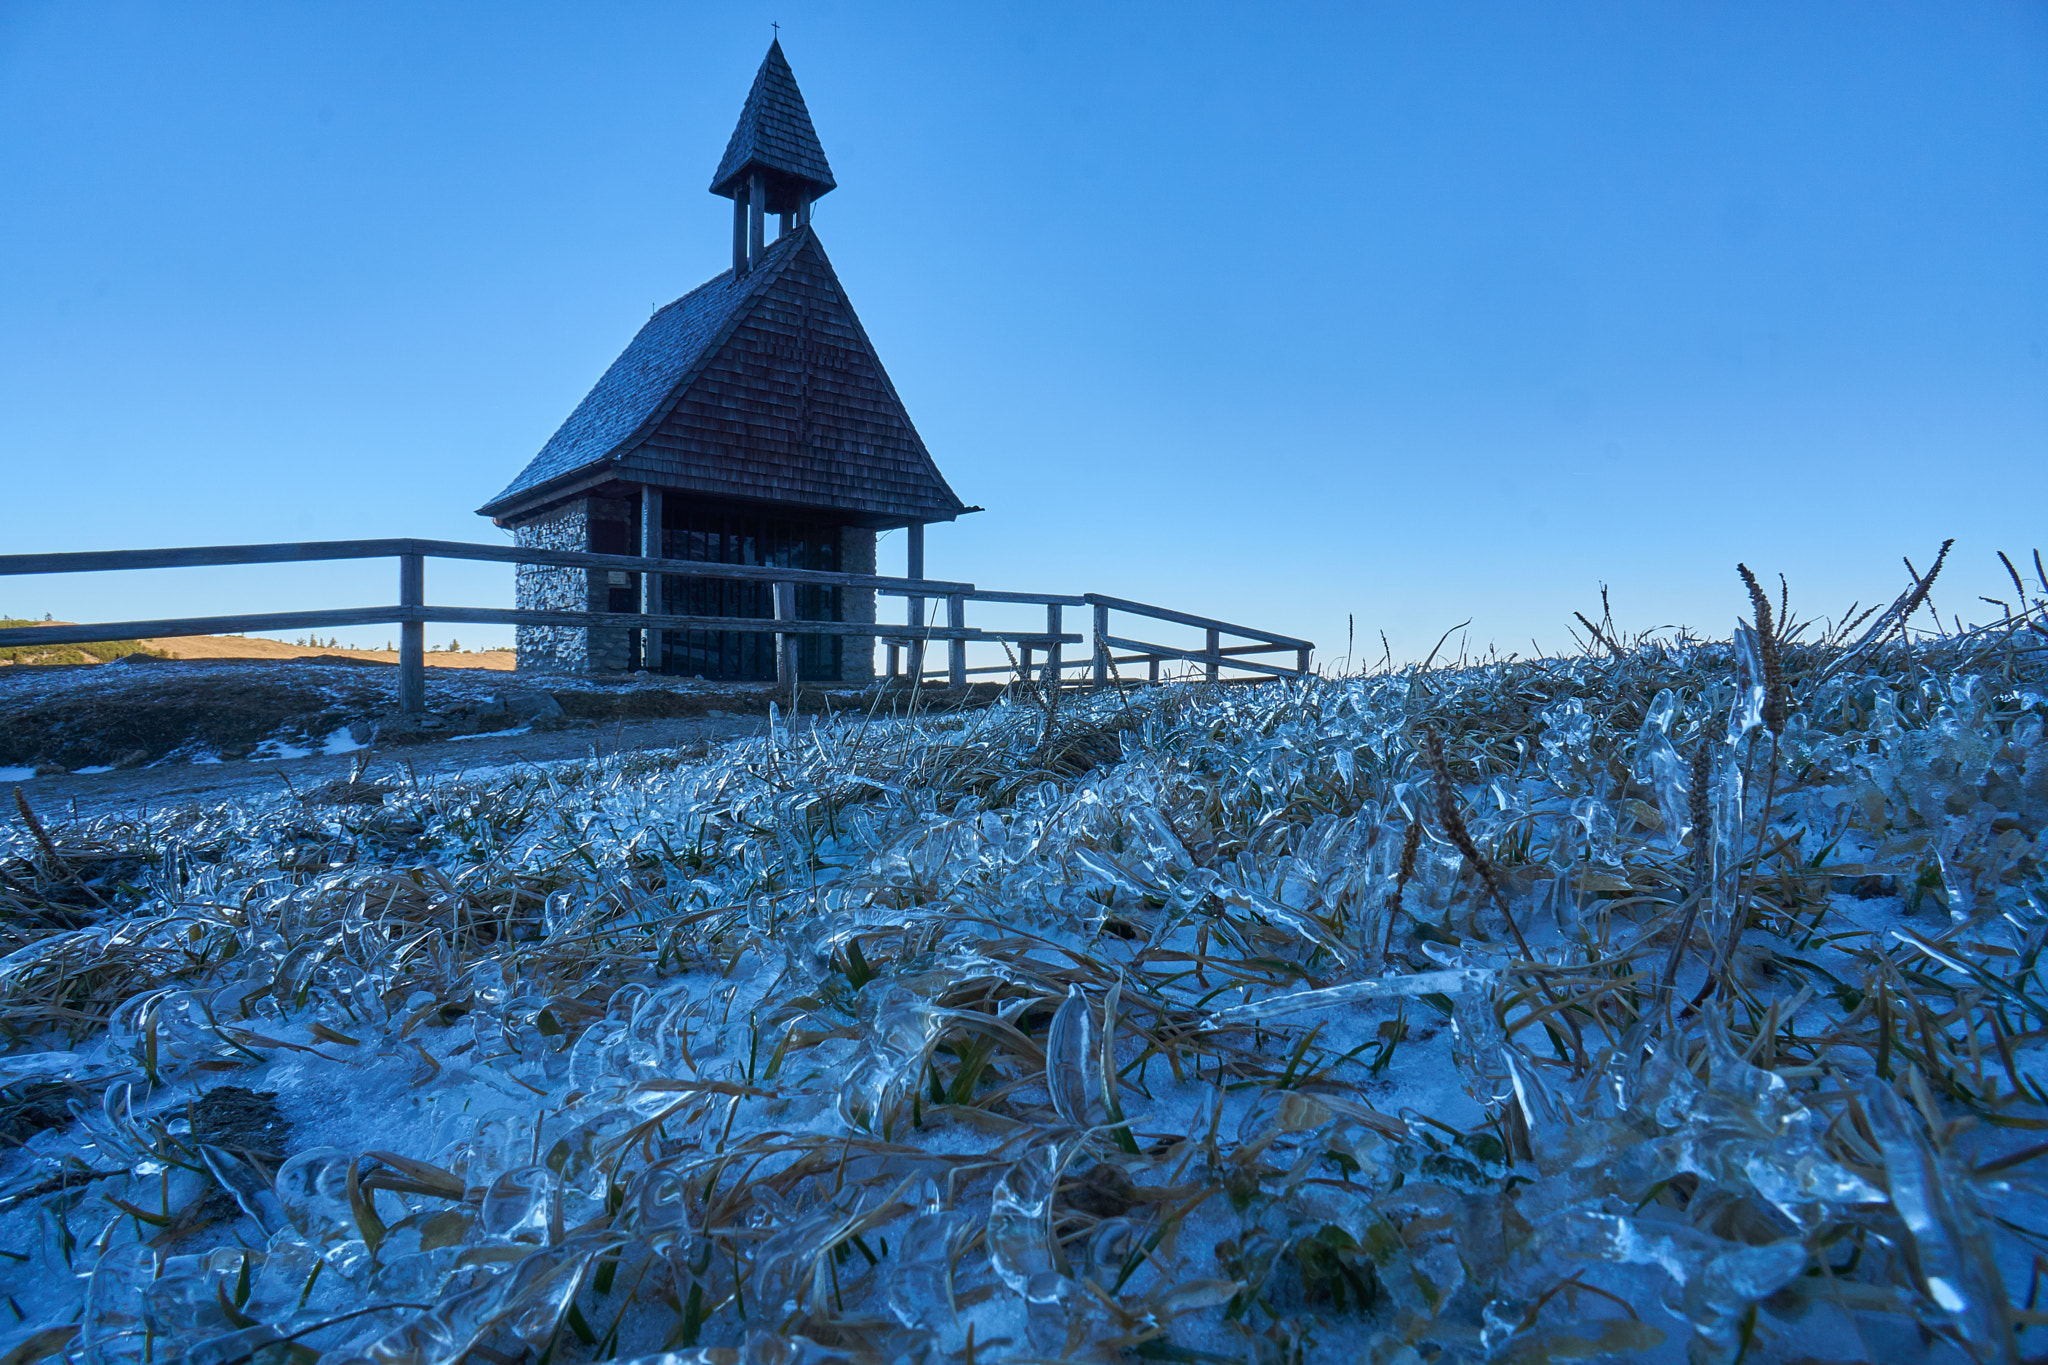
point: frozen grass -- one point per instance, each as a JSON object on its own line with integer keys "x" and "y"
{"x": 1185, "y": 1023}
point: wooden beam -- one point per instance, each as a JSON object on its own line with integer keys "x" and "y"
{"x": 176, "y": 627}
{"x": 1191, "y": 655}
{"x": 652, "y": 641}
{"x": 786, "y": 639}
{"x": 913, "y": 608}
{"x": 199, "y": 625}
{"x": 195, "y": 556}
{"x": 751, "y": 625}
{"x": 412, "y": 636}
{"x": 956, "y": 648}
{"x": 757, "y": 209}
{"x": 1184, "y": 619}
{"x": 1029, "y": 599}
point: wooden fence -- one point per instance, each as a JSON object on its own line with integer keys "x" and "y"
{"x": 412, "y": 611}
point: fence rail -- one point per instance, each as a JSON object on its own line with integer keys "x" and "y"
{"x": 412, "y": 611}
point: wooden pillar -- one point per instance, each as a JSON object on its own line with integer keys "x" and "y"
{"x": 786, "y": 226}
{"x": 1152, "y": 669}
{"x": 1215, "y": 652}
{"x": 895, "y": 659}
{"x": 757, "y": 220}
{"x": 739, "y": 235}
{"x": 1301, "y": 661}
{"x": 1101, "y": 647}
{"x": 1053, "y": 613}
{"x": 956, "y": 648}
{"x": 913, "y": 567}
{"x": 412, "y": 636}
{"x": 651, "y": 641}
{"x": 785, "y": 643}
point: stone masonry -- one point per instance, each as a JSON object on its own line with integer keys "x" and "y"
{"x": 544, "y": 587}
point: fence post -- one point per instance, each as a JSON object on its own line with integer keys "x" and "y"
{"x": 1101, "y": 648}
{"x": 895, "y": 660}
{"x": 412, "y": 636}
{"x": 785, "y": 644}
{"x": 956, "y": 648}
{"x": 913, "y": 608}
{"x": 1215, "y": 653}
{"x": 1052, "y": 651}
{"x": 651, "y": 640}
{"x": 1301, "y": 661}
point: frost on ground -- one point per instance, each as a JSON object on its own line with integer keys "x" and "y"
{"x": 1186, "y": 1024}
{"x": 100, "y": 718}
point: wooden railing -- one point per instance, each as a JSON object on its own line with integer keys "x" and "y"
{"x": 1213, "y": 656}
{"x": 412, "y": 611}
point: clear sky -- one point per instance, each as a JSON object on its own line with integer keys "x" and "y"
{"x": 1417, "y": 311}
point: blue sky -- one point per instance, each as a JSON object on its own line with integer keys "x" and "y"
{"x": 1281, "y": 313}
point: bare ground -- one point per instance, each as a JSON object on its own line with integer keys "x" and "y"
{"x": 152, "y": 733}
{"x": 84, "y": 795}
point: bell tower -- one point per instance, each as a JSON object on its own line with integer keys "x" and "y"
{"x": 773, "y": 163}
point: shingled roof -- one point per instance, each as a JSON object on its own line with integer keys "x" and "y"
{"x": 774, "y": 134}
{"x": 761, "y": 387}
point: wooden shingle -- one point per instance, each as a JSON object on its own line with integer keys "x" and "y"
{"x": 762, "y": 387}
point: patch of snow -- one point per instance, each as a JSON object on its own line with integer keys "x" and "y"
{"x": 496, "y": 734}
{"x": 96, "y": 768}
{"x": 16, "y": 774}
{"x": 271, "y": 749}
{"x": 206, "y": 758}
{"x": 341, "y": 742}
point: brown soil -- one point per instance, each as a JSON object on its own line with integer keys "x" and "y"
{"x": 236, "y": 647}
{"x": 157, "y": 715}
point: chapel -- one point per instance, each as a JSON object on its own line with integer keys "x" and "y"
{"x": 748, "y": 422}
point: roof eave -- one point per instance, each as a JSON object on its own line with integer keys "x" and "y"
{"x": 511, "y": 504}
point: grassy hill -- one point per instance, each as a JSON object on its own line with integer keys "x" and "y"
{"x": 97, "y": 652}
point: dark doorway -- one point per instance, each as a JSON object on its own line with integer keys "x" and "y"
{"x": 729, "y": 535}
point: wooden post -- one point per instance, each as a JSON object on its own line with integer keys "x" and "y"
{"x": 412, "y": 636}
{"x": 1053, "y": 613}
{"x": 786, "y": 644}
{"x": 1152, "y": 669}
{"x": 895, "y": 660}
{"x": 1101, "y": 648}
{"x": 757, "y": 222}
{"x": 1301, "y": 661}
{"x": 956, "y": 648}
{"x": 651, "y": 641}
{"x": 913, "y": 567}
{"x": 739, "y": 235}
{"x": 1215, "y": 654}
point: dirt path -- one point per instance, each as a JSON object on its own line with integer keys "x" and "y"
{"x": 70, "y": 796}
